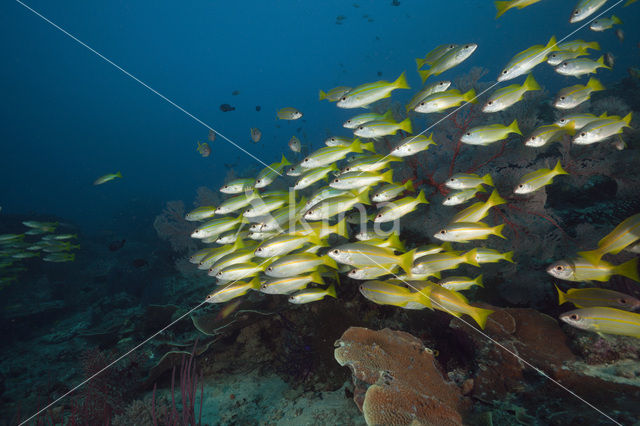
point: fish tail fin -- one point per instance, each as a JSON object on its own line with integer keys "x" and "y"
{"x": 387, "y": 176}
{"x": 502, "y": 7}
{"x": 627, "y": 120}
{"x": 119, "y": 174}
{"x": 331, "y": 291}
{"x": 394, "y": 241}
{"x": 628, "y": 269}
{"x": 594, "y": 84}
{"x": 513, "y": 127}
{"x": 255, "y": 283}
{"x": 552, "y": 45}
{"x": 363, "y": 197}
{"x": 558, "y": 170}
{"x": 329, "y": 262}
{"x": 421, "y": 198}
{"x": 508, "y": 256}
{"x": 423, "y": 296}
{"x": 341, "y": 228}
{"x": 561, "y": 296}
{"x": 593, "y": 256}
{"x": 408, "y": 186}
{"x": 284, "y": 161}
{"x": 322, "y": 95}
{"x": 495, "y": 199}
{"x": 600, "y": 62}
{"x": 401, "y": 82}
{"x": 315, "y": 240}
{"x": 405, "y": 261}
{"x": 480, "y": 315}
{"x": 424, "y": 75}
{"x": 356, "y": 146}
{"x": 470, "y": 96}
{"x": 487, "y": 179}
{"x": 368, "y": 147}
{"x": 446, "y": 246}
{"x": 470, "y": 257}
{"x": 593, "y": 45}
{"x": 316, "y": 277}
{"x": 406, "y": 125}
{"x": 388, "y": 116}
{"x": 478, "y": 281}
{"x": 420, "y": 62}
{"x": 616, "y": 20}
{"x": 497, "y": 231}
{"x": 531, "y": 84}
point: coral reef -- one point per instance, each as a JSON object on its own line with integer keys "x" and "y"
{"x": 397, "y": 379}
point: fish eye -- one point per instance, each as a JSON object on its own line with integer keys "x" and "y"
{"x": 452, "y": 46}
{"x": 379, "y": 216}
{"x": 259, "y": 249}
{"x": 225, "y": 187}
{"x": 559, "y": 268}
{"x": 421, "y": 103}
{"x": 443, "y": 232}
{"x": 575, "y": 317}
{"x": 452, "y": 180}
{"x": 333, "y": 139}
{"x": 576, "y": 12}
{"x": 564, "y": 64}
{"x": 360, "y": 127}
{"x": 448, "y": 198}
{"x": 468, "y": 133}
{"x": 336, "y": 180}
{"x": 504, "y": 72}
{"x": 490, "y": 102}
{"x": 562, "y": 98}
{"x": 336, "y": 251}
{"x": 344, "y": 98}
{"x": 269, "y": 269}
{"x": 521, "y": 186}
{"x": 583, "y": 134}
{"x": 622, "y": 301}
{"x": 306, "y": 160}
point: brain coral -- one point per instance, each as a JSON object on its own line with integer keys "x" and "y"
{"x": 397, "y": 380}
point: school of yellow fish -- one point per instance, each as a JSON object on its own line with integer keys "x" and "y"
{"x": 297, "y": 239}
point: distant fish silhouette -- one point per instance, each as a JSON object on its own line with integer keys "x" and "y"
{"x": 258, "y": 107}
{"x": 235, "y": 92}
{"x": 226, "y": 108}
{"x": 116, "y": 245}
{"x": 139, "y": 263}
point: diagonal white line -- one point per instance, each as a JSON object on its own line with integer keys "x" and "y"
{"x": 133, "y": 77}
{"x": 500, "y": 345}
{"x": 544, "y": 52}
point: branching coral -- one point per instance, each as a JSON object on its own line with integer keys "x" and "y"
{"x": 171, "y": 226}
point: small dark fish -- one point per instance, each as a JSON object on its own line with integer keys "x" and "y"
{"x": 116, "y": 245}
{"x": 341, "y": 18}
{"x": 356, "y": 5}
{"x": 212, "y": 136}
{"x": 395, "y": 3}
{"x": 379, "y": 73}
{"x": 235, "y": 92}
{"x": 620, "y": 34}
{"x": 258, "y": 107}
{"x": 609, "y": 59}
{"x": 377, "y": 37}
{"x": 226, "y": 108}
{"x": 139, "y": 263}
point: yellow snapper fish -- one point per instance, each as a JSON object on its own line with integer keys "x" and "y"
{"x": 232, "y": 291}
{"x": 584, "y": 9}
{"x": 535, "y": 180}
{"x": 322, "y": 229}
{"x": 462, "y": 196}
{"x": 371, "y": 272}
{"x": 107, "y": 178}
{"x": 330, "y": 207}
{"x": 338, "y": 141}
{"x": 392, "y": 241}
{"x": 240, "y": 271}
{"x": 433, "y": 264}
{"x": 236, "y": 202}
{"x": 626, "y": 233}
{"x": 441, "y": 101}
{"x": 504, "y": 97}
{"x": 204, "y": 149}
{"x": 602, "y": 24}
{"x": 390, "y": 191}
{"x": 331, "y": 154}
{"x": 463, "y": 232}
{"x": 503, "y": 6}
{"x": 581, "y": 66}
{"x": 629, "y": 2}
{"x": 285, "y": 244}
{"x": 312, "y": 176}
{"x": 237, "y": 186}
{"x": 289, "y": 113}
{"x": 334, "y": 94}
{"x": 547, "y": 134}
{"x": 290, "y": 284}
{"x": 450, "y": 59}
{"x": 384, "y": 293}
{"x": 468, "y": 180}
{"x": 296, "y": 170}
{"x": 575, "y": 45}
{"x": 487, "y": 255}
{"x": 362, "y": 254}
{"x": 439, "y": 86}
{"x": 322, "y": 194}
{"x": 399, "y": 208}
{"x": 601, "y": 129}
{"x": 457, "y": 305}
{"x": 556, "y": 58}
{"x": 270, "y": 173}
{"x": 603, "y": 320}
{"x": 578, "y": 121}
{"x": 200, "y": 213}
{"x": 478, "y": 211}
{"x": 216, "y": 227}
{"x": 435, "y": 54}
{"x": 526, "y": 60}
{"x": 312, "y": 295}
{"x": 377, "y": 129}
{"x": 412, "y": 145}
{"x": 572, "y": 96}
{"x": 262, "y": 206}
{"x": 369, "y": 163}
{"x": 369, "y": 93}
{"x": 485, "y": 135}
{"x": 359, "y": 179}
{"x": 298, "y": 264}
{"x": 231, "y": 237}
{"x": 581, "y": 269}
{"x": 593, "y": 297}
{"x": 460, "y": 283}
{"x": 367, "y": 117}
